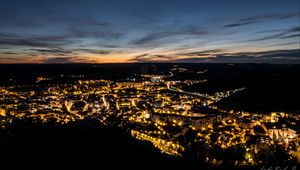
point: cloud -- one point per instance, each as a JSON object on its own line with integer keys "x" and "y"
{"x": 9, "y": 53}
{"x": 201, "y": 53}
{"x": 9, "y": 60}
{"x": 32, "y": 41}
{"x": 142, "y": 56}
{"x": 291, "y": 36}
{"x": 238, "y": 24}
{"x": 268, "y": 31}
{"x": 274, "y": 16}
{"x": 65, "y": 60}
{"x": 108, "y": 45}
{"x": 68, "y": 52}
{"x": 294, "y": 53}
{"x": 276, "y": 56}
{"x": 72, "y": 32}
{"x": 93, "y": 51}
{"x": 18, "y": 60}
{"x": 89, "y": 28}
{"x": 151, "y": 58}
{"x": 156, "y": 36}
{"x": 81, "y": 32}
{"x": 56, "y": 51}
{"x": 290, "y": 33}
{"x": 285, "y": 44}
{"x": 26, "y": 42}
{"x": 216, "y": 56}
{"x": 260, "y": 18}
{"x": 240, "y": 60}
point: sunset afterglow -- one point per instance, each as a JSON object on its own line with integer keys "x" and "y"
{"x": 149, "y": 31}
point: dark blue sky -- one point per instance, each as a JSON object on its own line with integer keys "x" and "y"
{"x": 98, "y": 31}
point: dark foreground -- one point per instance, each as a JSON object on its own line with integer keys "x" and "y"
{"x": 86, "y": 145}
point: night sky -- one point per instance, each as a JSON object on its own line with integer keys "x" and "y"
{"x": 105, "y": 31}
